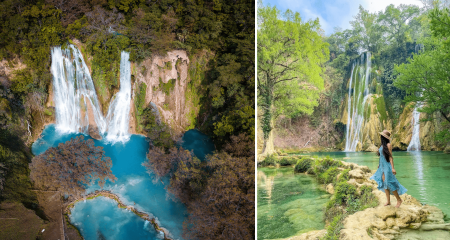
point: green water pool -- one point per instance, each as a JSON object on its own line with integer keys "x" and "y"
{"x": 288, "y": 204}
{"x": 425, "y": 174}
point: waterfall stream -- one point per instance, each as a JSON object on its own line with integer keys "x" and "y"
{"x": 414, "y": 145}
{"x": 119, "y": 110}
{"x": 74, "y": 92}
{"x": 73, "y": 89}
{"x": 359, "y": 86}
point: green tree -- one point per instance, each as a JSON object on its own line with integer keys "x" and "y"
{"x": 425, "y": 76}
{"x": 290, "y": 55}
{"x": 394, "y": 22}
{"x": 367, "y": 30}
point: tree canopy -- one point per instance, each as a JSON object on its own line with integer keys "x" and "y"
{"x": 71, "y": 166}
{"x": 290, "y": 57}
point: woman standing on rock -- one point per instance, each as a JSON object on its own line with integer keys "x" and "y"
{"x": 385, "y": 175}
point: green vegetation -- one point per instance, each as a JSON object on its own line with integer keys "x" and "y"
{"x": 224, "y": 106}
{"x": 290, "y": 55}
{"x": 381, "y": 107}
{"x": 303, "y": 164}
{"x": 168, "y": 87}
{"x": 424, "y": 77}
{"x": 139, "y": 103}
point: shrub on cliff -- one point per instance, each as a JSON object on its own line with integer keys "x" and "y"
{"x": 328, "y": 176}
{"x": 303, "y": 164}
{"x": 71, "y": 166}
{"x": 344, "y": 191}
{"x": 344, "y": 177}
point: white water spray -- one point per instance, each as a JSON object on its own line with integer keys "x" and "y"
{"x": 72, "y": 86}
{"x": 119, "y": 111}
{"x": 414, "y": 145}
{"x": 355, "y": 107}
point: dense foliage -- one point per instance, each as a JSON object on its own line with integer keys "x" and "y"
{"x": 71, "y": 167}
{"x": 425, "y": 77}
{"x": 219, "y": 193}
{"x": 28, "y": 30}
{"x": 291, "y": 52}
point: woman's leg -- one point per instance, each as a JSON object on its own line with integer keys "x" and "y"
{"x": 399, "y": 200}
{"x": 388, "y": 194}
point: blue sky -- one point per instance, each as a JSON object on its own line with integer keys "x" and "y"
{"x": 334, "y": 13}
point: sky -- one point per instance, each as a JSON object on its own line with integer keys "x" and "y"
{"x": 334, "y": 13}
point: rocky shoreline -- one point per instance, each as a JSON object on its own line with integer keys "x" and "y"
{"x": 120, "y": 204}
{"x": 411, "y": 220}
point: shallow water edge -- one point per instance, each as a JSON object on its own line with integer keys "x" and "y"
{"x": 110, "y": 195}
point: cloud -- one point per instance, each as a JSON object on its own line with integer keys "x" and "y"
{"x": 337, "y": 13}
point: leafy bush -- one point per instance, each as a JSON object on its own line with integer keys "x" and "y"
{"x": 367, "y": 198}
{"x": 344, "y": 191}
{"x": 320, "y": 166}
{"x": 303, "y": 164}
{"x": 328, "y": 176}
{"x": 344, "y": 176}
{"x": 270, "y": 160}
{"x": 287, "y": 161}
{"x": 334, "y": 229}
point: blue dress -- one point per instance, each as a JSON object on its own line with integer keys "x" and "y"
{"x": 390, "y": 181}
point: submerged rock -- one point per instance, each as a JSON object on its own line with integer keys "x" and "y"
{"x": 94, "y": 133}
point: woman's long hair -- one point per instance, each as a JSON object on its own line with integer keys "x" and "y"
{"x": 386, "y": 153}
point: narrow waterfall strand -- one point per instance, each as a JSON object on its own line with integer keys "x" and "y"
{"x": 119, "y": 110}
{"x": 414, "y": 145}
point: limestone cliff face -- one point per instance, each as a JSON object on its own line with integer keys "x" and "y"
{"x": 165, "y": 78}
{"x": 375, "y": 120}
{"x": 402, "y": 132}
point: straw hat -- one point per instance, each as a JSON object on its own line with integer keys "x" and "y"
{"x": 386, "y": 134}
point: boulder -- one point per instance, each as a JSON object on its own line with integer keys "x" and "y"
{"x": 94, "y": 133}
{"x": 330, "y": 188}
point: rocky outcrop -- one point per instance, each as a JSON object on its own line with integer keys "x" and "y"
{"x": 411, "y": 220}
{"x": 157, "y": 72}
{"x": 401, "y": 136}
{"x": 94, "y": 133}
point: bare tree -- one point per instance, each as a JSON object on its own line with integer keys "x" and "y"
{"x": 71, "y": 166}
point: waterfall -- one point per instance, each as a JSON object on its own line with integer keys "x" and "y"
{"x": 414, "y": 145}
{"x": 119, "y": 110}
{"x": 73, "y": 88}
{"x": 359, "y": 83}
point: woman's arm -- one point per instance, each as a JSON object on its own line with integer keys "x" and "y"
{"x": 391, "y": 159}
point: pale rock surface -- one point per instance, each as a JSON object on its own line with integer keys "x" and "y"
{"x": 330, "y": 188}
{"x": 411, "y": 221}
{"x": 172, "y": 106}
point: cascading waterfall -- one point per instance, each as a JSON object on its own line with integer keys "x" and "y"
{"x": 73, "y": 86}
{"x": 355, "y": 108}
{"x": 119, "y": 111}
{"x": 414, "y": 145}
